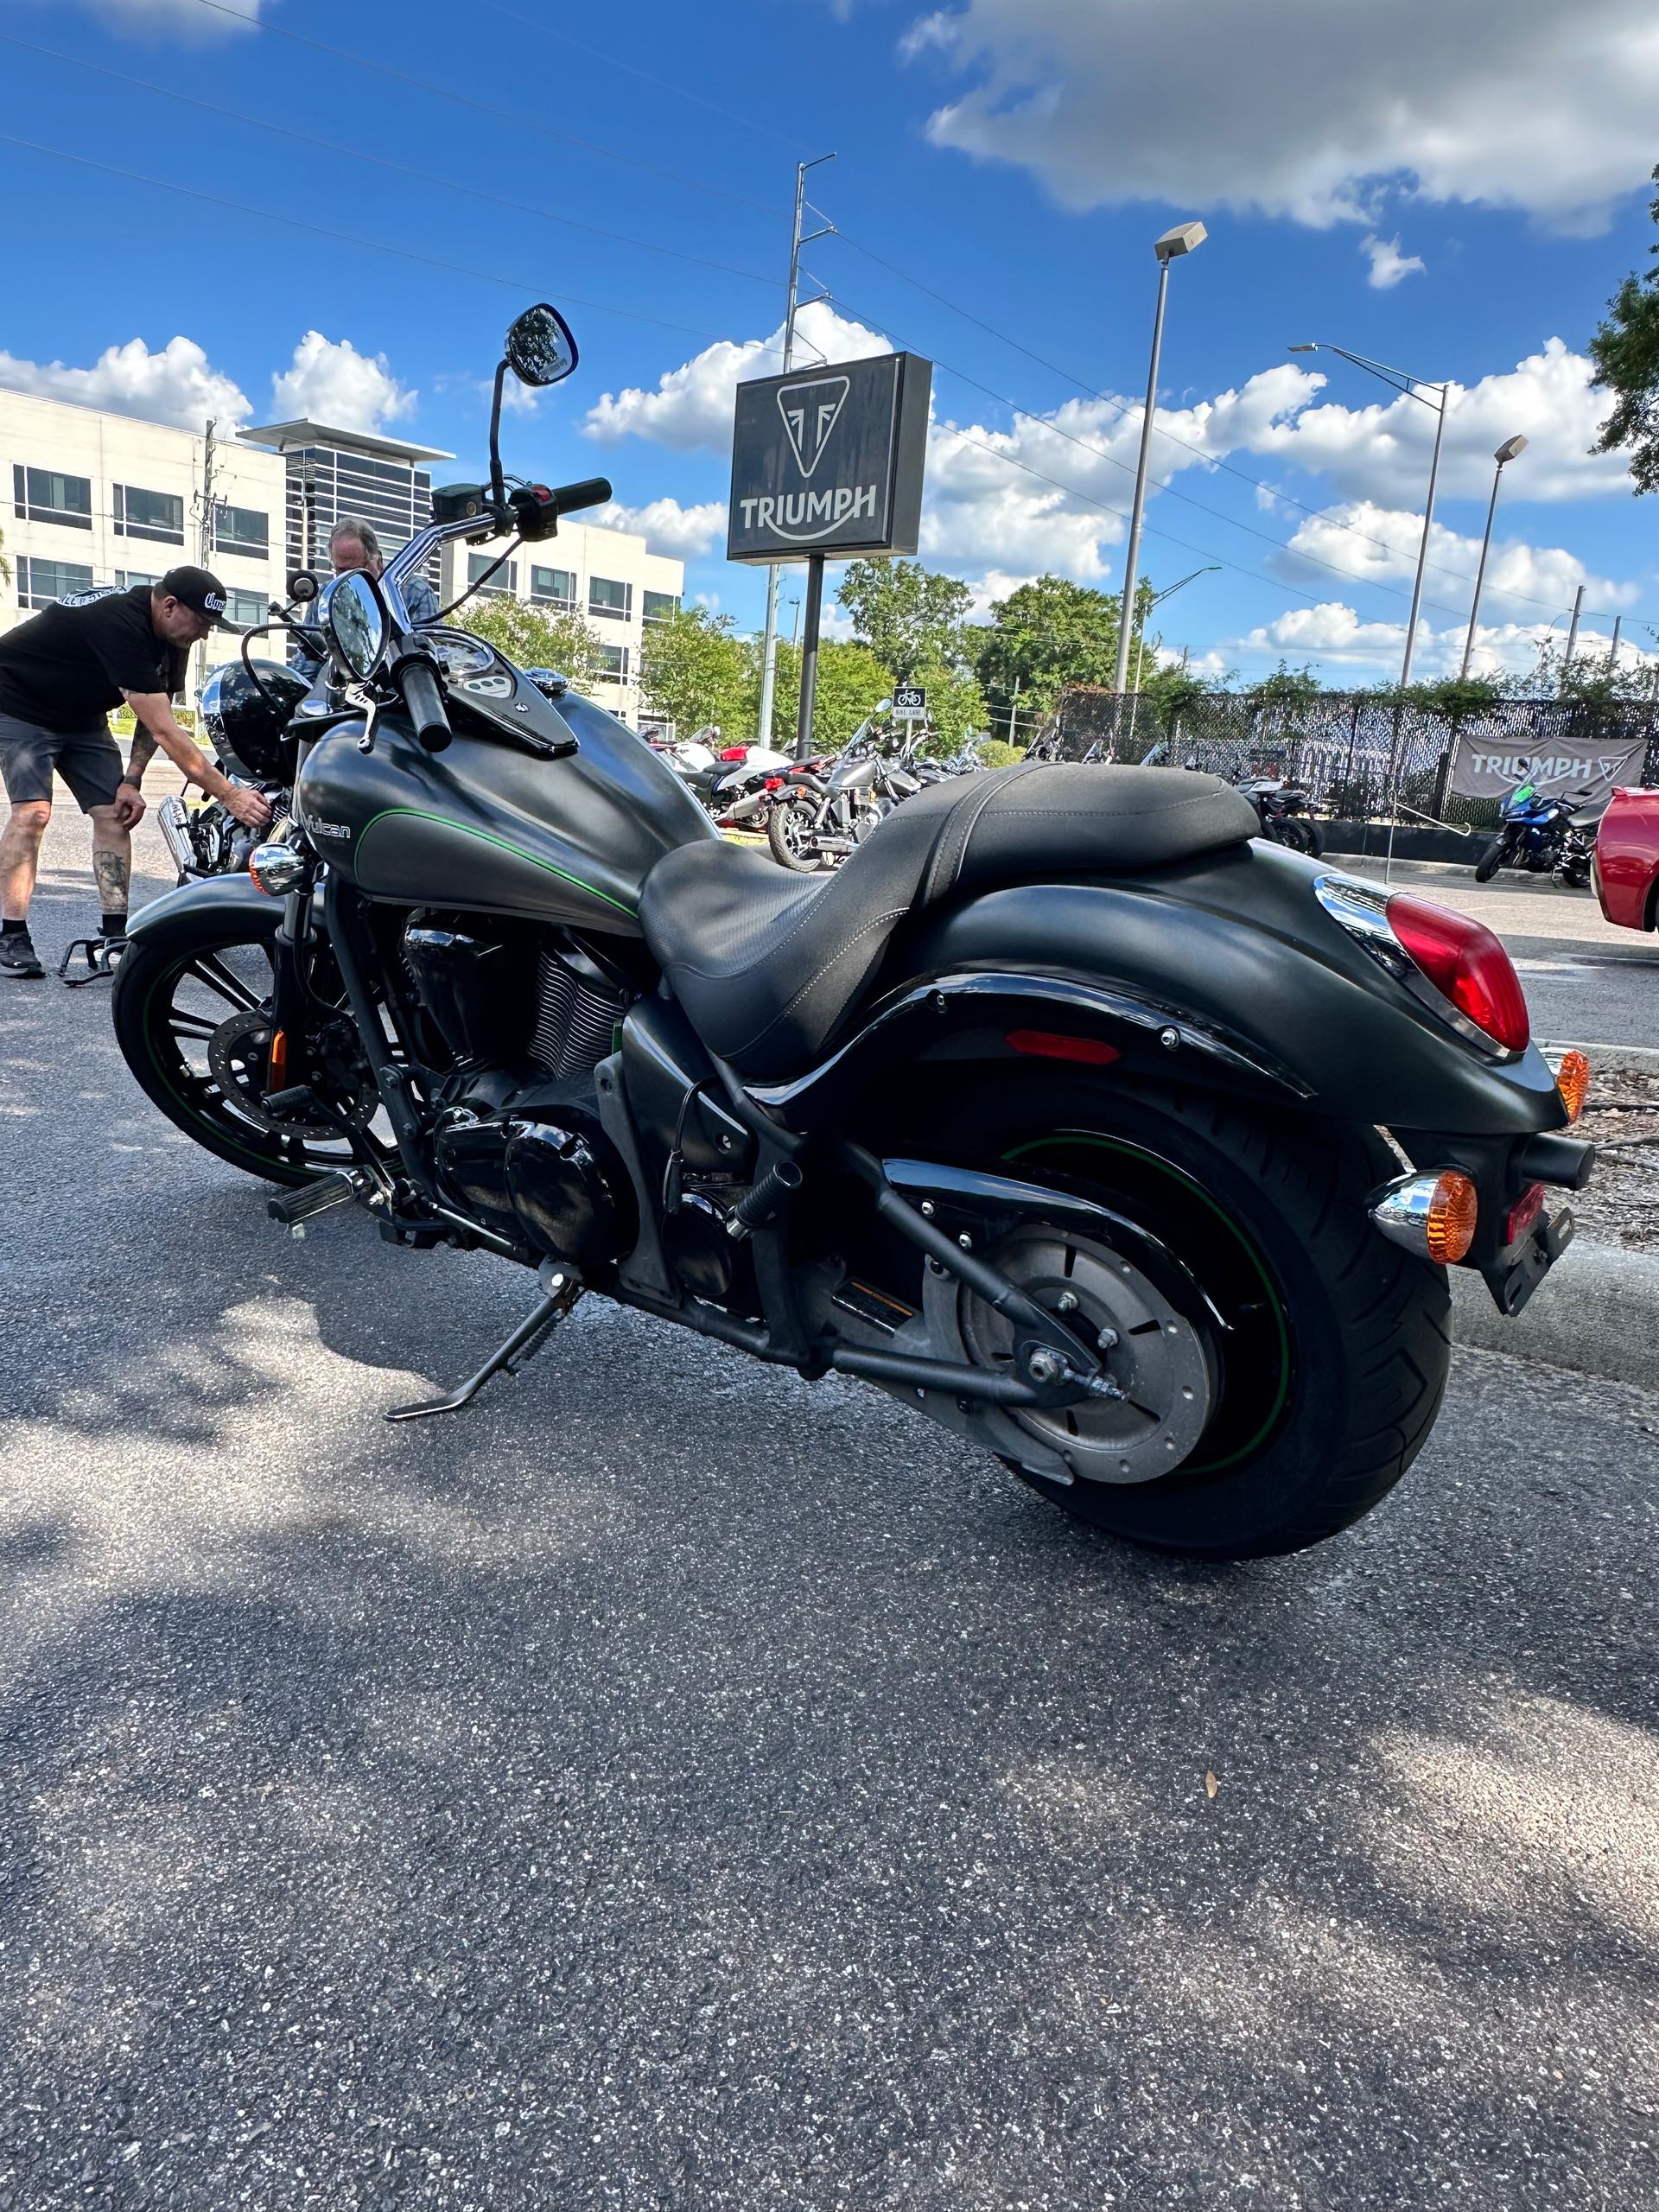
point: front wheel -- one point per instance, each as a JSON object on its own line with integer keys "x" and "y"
{"x": 1294, "y": 833}
{"x": 1491, "y": 860}
{"x": 192, "y": 1010}
{"x": 1324, "y": 1348}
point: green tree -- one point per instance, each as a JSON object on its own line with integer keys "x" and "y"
{"x": 852, "y": 682}
{"x": 907, "y": 615}
{"x": 531, "y": 637}
{"x": 694, "y": 670}
{"x": 1625, "y": 351}
{"x": 1043, "y": 636}
{"x": 1287, "y": 688}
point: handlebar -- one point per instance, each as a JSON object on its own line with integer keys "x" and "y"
{"x": 424, "y": 699}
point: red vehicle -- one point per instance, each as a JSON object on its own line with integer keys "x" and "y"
{"x": 1626, "y": 868}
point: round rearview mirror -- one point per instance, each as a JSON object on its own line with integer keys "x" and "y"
{"x": 539, "y": 347}
{"x": 354, "y": 616}
{"x": 301, "y": 586}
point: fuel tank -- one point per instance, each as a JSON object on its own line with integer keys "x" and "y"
{"x": 487, "y": 826}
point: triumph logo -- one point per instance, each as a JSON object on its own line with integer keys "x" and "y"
{"x": 811, "y": 412}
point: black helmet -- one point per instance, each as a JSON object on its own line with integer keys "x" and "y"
{"x": 246, "y": 722}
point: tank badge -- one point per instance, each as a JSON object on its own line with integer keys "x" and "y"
{"x": 314, "y": 828}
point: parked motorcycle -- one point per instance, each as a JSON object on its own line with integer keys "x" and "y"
{"x": 1540, "y": 833}
{"x": 1054, "y": 1112}
{"x": 1285, "y": 811}
{"x": 828, "y": 807}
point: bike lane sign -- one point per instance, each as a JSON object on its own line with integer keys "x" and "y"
{"x": 910, "y": 703}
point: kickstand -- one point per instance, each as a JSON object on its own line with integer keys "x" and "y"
{"x": 563, "y": 1289}
{"x": 102, "y": 953}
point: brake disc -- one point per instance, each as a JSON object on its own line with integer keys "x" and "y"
{"x": 1158, "y": 1359}
{"x": 238, "y": 1054}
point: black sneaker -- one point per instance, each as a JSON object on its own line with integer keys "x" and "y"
{"x": 17, "y": 955}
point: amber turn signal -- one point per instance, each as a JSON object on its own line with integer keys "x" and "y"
{"x": 1433, "y": 1215}
{"x": 1573, "y": 1081}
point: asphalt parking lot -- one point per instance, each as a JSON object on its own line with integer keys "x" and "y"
{"x": 672, "y": 1784}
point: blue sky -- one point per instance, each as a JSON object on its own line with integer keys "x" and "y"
{"x": 1015, "y": 156}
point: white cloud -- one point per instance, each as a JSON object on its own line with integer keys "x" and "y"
{"x": 692, "y": 405}
{"x": 1304, "y": 110}
{"x": 1379, "y": 545}
{"x": 184, "y": 19}
{"x": 1389, "y": 264}
{"x": 683, "y": 533}
{"x": 1381, "y": 451}
{"x": 331, "y": 381}
{"x": 1334, "y": 634}
{"x": 179, "y": 384}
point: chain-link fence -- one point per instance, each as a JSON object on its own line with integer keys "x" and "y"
{"x": 1362, "y": 757}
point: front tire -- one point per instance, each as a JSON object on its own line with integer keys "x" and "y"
{"x": 1491, "y": 860}
{"x": 1334, "y": 1362}
{"x": 792, "y": 833}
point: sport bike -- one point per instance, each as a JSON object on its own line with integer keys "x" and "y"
{"x": 1285, "y": 811}
{"x": 1053, "y": 1113}
{"x": 1538, "y": 833}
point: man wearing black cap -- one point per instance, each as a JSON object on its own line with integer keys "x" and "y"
{"x": 60, "y": 675}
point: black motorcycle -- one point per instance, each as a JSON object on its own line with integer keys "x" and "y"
{"x": 1285, "y": 811}
{"x": 823, "y": 812}
{"x": 1054, "y": 1112}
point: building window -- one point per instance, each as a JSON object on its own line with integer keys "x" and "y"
{"x": 158, "y": 516}
{"x": 42, "y": 495}
{"x": 505, "y": 579}
{"x": 612, "y": 600}
{"x": 41, "y": 583}
{"x": 613, "y": 666}
{"x": 554, "y": 588}
{"x": 126, "y": 578}
{"x": 245, "y": 608}
{"x": 242, "y": 530}
{"x": 659, "y": 604}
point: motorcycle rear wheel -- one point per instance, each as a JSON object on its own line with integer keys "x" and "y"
{"x": 188, "y": 1019}
{"x": 1334, "y": 1362}
{"x": 792, "y": 835}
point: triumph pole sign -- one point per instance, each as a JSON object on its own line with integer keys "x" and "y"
{"x": 830, "y": 461}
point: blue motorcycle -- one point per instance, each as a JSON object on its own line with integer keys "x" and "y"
{"x": 1538, "y": 832}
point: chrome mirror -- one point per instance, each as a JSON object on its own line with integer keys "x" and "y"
{"x": 354, "y": 616}
{"x": 539, "y": 346}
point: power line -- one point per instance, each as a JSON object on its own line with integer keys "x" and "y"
{"x": 377, "y": 160}
{"x": 613, "y": 62}
{"x": 496, "y": 113}
{"x": 345, "y": 238}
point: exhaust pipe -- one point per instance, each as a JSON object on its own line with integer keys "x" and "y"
{"x": 174, "y": 824}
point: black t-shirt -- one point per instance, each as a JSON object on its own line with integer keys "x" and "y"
{"x": 67, "y": 666}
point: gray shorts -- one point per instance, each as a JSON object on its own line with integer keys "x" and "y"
{"x": 89, "y": 760}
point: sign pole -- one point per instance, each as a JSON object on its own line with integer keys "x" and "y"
{"x": 810, "y": 654}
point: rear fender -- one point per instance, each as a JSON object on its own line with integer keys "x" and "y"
{"x": 1266, "y": 991}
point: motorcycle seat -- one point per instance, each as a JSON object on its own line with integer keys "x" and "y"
{"x": 766, "y": 962}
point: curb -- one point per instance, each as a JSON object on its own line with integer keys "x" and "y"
{"x": 1617, "y": 1060}
{"x": 1597, "y": 1312}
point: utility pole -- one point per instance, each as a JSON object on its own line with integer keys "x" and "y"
{"x": 205, "y": 532}
{"x": 1612, "y": 649}
{"x": 769, "y": 643}
{"x": 1572, "y": 639}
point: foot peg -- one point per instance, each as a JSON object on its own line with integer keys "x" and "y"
{"x": 101, "y": 953}
{"x": 294, "y": 1208}
{"x": 563, "y": 1289}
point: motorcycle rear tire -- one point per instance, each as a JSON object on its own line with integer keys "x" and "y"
{"x": 794, "y": 814}
{"x": 1491, "y": 859}
{"x": 1363, "y": 1325}
{"x": 1296, "y": 835}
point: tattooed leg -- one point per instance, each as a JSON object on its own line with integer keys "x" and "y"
{"x": 112, "y": 861}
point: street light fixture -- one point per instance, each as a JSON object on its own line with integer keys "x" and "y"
{"x": 1505, "y": 454}
{"x": 1413, "y": 388}
{"x": 1181, "y": 237}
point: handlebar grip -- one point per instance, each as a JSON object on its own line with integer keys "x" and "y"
{"x": 424, "y": 699}
{"x": 593, "y": 493}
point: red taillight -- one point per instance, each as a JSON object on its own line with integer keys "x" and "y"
{"x": 1523, "y": 1214}
{"x": 1466, "y": 964}
{"x": 1051, "y": 1044}
{"x": 772, "y": 784}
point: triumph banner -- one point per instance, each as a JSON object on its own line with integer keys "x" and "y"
{"x": 1482, "y": 770}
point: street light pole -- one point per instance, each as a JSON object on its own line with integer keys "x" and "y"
{"x": 1185, "y": 237}
{"x": 1505, "y": 454}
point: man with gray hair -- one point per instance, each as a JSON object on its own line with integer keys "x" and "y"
{"x": 354, "y": 543}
